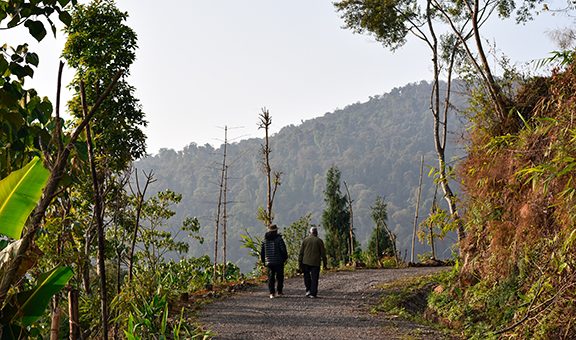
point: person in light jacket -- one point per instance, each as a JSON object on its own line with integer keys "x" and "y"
{"x": 312, "y": 253}
{"x": 274, "y": 255}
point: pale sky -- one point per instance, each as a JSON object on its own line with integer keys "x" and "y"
{"x": 205, "y": 64}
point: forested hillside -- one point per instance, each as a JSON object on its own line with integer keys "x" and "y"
{"x": 377, "y": 145}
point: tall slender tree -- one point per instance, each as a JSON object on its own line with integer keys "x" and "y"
{"x": 390, "y": 23}
{"x": 221, "y": 203}
{"x": 272, "y": 178}
{"x": 100, "y": 44}
{"x": 382, "y": 240}
{"x": 336, "y": 218}
{"x": 351, "y": 237}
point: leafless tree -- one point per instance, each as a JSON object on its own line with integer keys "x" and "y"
{"x": 221, "y": 200}
{"x": 272, "y": 180}
{"x": 139, "y": 193}
{"x": 417, "y": 208}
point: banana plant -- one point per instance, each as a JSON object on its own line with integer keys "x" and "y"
{"x": 26, "y": 307}
{"x": 19, "y": 194}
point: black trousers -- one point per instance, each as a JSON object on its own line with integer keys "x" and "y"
{"x": 311, "y": 277}
{"x": 275, "y": 273}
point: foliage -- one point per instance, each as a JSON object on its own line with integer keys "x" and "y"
{"x": 99, "y": 45}
{"x": 149, "y": 320}
{"x": 293, "y": 236}
{"x": 436, "y": 226}
{"x": 26, "y": 123}
{"x": 143, "y": 304}
{"x": 154, "y": 240}
{"x": 389, "y": 22}
{"x": 408, "y": 297}
{"x": 252, "y": 243}
{"x": 19, "y": 194}
{"x": 381, "y": 243}
{"x": 25, "y": 308}
{"x": 519, "y": 193}
{"x": 487, "y": 308}
{"x": 336, "y": 219}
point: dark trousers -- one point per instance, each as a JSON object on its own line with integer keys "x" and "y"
{"x": 275, "y": 273}
{"x": 311, "y": 276}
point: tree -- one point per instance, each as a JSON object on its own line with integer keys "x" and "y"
{"x": 390, "y": 23}
{"x": 26, "y": 123}
{"x": 221, "y": 201}
{"x": 155, "y": 241}
{"x": 139, "y": 195}
{"x": 336, "y": 218}
{"x": 100, "y": 44}
{"x": 382, "y": 241}
{"x": 352, "y": 243}
{"x": 272, "y": 179}
{"x": 293, "y": 235}
{"x": 416, "y": 211}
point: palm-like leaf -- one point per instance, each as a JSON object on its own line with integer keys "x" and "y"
{"x": 19, "y": 194}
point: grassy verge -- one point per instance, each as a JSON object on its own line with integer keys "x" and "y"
{"x": 408, "y": 298}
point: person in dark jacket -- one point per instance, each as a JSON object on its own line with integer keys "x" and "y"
{"x": 274, "y": 255}
{"x": 312, "y": 252}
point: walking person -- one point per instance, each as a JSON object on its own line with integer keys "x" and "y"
{"x": 274, "y": 255}
{"x": 312, "y": 252}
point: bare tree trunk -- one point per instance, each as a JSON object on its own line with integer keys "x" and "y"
{"x": 378, "y": 244}
{"x": 140, "y": 194}
{"x": 265, "y": 122}
{"x": 351, "y": 226}
{"x": 417, "y": 208}
{"x": 493, "y": 87}
{"x": 219, "y": 207}
{"x": 441, "y": 123}
{"x": 98, "y": 214}
{"x": 86, "y": 263}
{"x": 55, "y": 320}
{"x": 224, "y": 225}
{"x": 73, "y": 314}
{"x": 433, "y": 210}
{"x": 393, "y": 241}
{"x": 432, "y": 243}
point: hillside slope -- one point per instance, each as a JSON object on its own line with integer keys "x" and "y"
{"x": 377, "y": 146}
{"x": 518, "y": 258}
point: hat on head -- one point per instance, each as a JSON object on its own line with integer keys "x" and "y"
{"x": 273, "y": 227}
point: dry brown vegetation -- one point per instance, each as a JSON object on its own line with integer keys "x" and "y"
{"x": 520, "y": 210}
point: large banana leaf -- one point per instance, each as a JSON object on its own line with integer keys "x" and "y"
{"x": 19, "y": 194}
{"x": 32, "y": 303}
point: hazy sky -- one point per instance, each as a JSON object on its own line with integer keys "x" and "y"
{"x": 202, "y": 65}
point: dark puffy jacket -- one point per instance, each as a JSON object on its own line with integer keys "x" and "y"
{"x": 273, "y": 250}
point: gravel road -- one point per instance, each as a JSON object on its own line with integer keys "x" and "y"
{"x": 341, "y": 311}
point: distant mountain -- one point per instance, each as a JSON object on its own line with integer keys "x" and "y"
{"x": 377, "y": 146}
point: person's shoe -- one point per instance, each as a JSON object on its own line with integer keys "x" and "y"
{"x": 271, "y": 296}
{"x": 311, "y": 296}
{"x": 307, "y": 293}
{"x": 279, "y": 294}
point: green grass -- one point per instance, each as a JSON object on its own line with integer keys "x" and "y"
{"x": 408, "y": 298}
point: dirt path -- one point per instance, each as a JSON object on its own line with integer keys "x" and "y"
{"x": 341, "y": 311}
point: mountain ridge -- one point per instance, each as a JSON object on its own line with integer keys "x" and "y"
{"x": 376, "y": 145}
